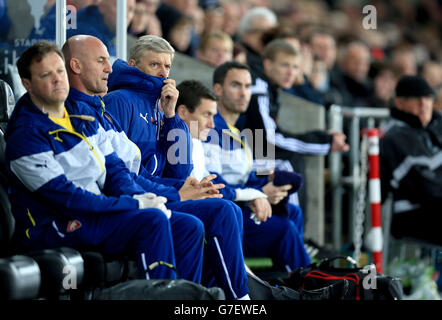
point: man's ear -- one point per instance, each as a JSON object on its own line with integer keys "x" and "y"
{"x": 131, "y": 63}
{"x": 26, "y": 84}
{"x": 218, "y": 89}
{"x": 182, "y": 111}
{"x": 75, "y": 65}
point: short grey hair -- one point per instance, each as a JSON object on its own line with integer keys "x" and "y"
{"x": 150, "y": 43}
{"x": 245, "y": 23}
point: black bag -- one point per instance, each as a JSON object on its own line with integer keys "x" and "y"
{"x": 320, "y": 275}
{"x": 158, "y": 289}
{"x": 261, "y": 290}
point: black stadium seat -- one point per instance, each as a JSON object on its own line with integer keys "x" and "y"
{"x": 20, "y": 278}
{"x": 7, "y": 103}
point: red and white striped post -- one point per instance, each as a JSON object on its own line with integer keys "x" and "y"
{"x": 375, "y": 198}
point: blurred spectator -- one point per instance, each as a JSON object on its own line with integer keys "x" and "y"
{"x": 327, "y": 82}
{"x": 355, "y": 64}
{"x": 432, "y": 72}
{"x": 302, "y": 86}
{"x": 232, "y": 16}
{"x": 215, "y": 48}
{"x": 145, "y": 20}
{"x": 213, "y": 19}
{"x": 198, "y": 17}
{"x": 404, "y": 59}
{"x": 323, "y": 45}
{"x": 384, "y": 77}
{"x": 251, "y": 28}
{"x": 281, "y": 66}
{"x": 409, "y": 164}
{"x": 178, "y": 26}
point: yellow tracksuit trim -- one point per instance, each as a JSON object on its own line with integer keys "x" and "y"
{"x": 236, "y": 136}
{"x": 32, "y": 221}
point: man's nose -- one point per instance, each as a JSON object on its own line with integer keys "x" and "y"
{"x": 211, "y": 123}
{"x": 57, "y": 78}
{"x": 108, "y": 68}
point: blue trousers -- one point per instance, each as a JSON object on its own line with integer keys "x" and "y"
{"x": 161, "y": 246}
{"x": 280, "y": 238}
{"x": 223, "y": 255}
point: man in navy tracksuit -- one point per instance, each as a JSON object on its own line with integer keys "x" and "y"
{"x": 69, "y": 188}
{"x": 274, "y": 230}
{"x": 142, "y": 100}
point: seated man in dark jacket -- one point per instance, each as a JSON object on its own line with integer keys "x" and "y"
{"x": 142, "y": 99}
{"x": 281, "y": 66}
{"x": 411, "y": 161}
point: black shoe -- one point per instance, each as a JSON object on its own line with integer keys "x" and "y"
{"x": 317, "y": 252}
{"x": 335, "y": 291}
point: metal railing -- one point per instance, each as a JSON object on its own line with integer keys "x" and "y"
{"x": 336, "y": 117}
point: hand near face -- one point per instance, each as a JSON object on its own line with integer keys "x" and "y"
{"x": 169, "y": 97}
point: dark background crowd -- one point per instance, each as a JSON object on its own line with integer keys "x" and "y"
{"x": 354, "y": 51}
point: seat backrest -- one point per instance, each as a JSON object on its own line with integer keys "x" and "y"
{"x": 2, "y": 152}
{"x": 7, "y": 221}
{"x": 16, "y": 84}
{"x": 7, "y": 103}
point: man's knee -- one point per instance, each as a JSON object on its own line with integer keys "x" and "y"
{"x": 227, "y": 212}
{"x": 152, "y": 218}
{"x": 195, "y": 225}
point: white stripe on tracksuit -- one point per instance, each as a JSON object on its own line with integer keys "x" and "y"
{"x": 287, "y": 143}
{"x": 83, "y": 164}
{"x": 432, "y": 162}
{"x": 218, "y": 248}
{"x": 143, "y": 259}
